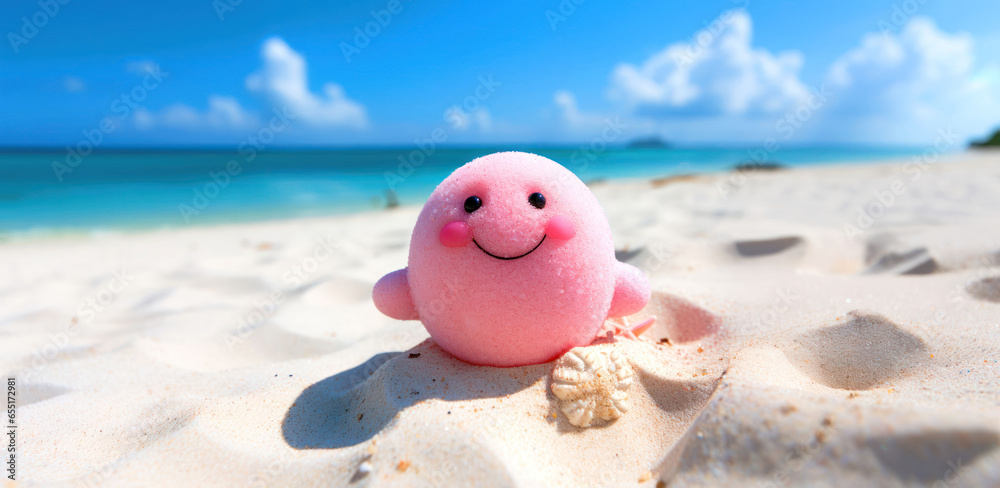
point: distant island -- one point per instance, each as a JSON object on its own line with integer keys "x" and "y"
{"x": 651, "y": 142}
{"x": 758, "y": 166}
{"x": 993, "y": 141}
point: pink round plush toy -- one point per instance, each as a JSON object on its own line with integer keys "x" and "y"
{"x": 512, "y": 263}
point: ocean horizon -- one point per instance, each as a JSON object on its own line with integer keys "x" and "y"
{"x": 51, "y": 190}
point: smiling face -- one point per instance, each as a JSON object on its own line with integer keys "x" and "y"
{"x": 511, "y": 261}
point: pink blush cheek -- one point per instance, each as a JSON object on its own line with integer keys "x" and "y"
{"x": 560, "y": 228}
{"x": 456, "y": 234}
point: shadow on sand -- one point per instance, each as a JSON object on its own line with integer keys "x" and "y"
{"x": 350, "y": 407}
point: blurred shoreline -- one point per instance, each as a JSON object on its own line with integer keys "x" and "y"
{"x": 131, "y": 190}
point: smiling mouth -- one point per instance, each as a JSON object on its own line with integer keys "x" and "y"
{"x": 510, "y": 258}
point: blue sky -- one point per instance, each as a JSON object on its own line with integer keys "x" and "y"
{"x": 550, "y": 71}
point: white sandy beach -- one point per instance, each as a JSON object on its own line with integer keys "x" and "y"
{"x": 790, "y": 349}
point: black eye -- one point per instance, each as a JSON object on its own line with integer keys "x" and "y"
{"x": 472, "y": 204}
{"x": 537, "y": 200}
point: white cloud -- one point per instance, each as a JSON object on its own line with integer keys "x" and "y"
{"x": 890, "y": 88}
{"x": 571, "y": 116}
{"x": 717, "y": 73}
{"x": 283, "y": 82}
{"x": 576, "y": 125}
{"x": 461, "y": 120}
{"x": 222, "y": 113}
{"x": 919, "y": 80}
{"x": 888, "y": 72}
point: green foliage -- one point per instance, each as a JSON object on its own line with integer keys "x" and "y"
{"x": 992, "y": 141}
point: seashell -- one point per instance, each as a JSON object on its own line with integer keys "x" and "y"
{"x": 592, "y": 382}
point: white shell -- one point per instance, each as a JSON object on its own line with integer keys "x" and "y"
{"x": 592, "y": 382}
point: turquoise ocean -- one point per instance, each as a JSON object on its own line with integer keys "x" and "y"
{"x": 53, "y": 191}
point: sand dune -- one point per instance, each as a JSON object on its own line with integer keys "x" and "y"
{"x": 800, "y": 341}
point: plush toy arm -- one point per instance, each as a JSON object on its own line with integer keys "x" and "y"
{"x": 392, "y": 296}
{"x": 631, "y": 291}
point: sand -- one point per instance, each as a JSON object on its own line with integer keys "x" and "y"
{"x": 790, "y": 349}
